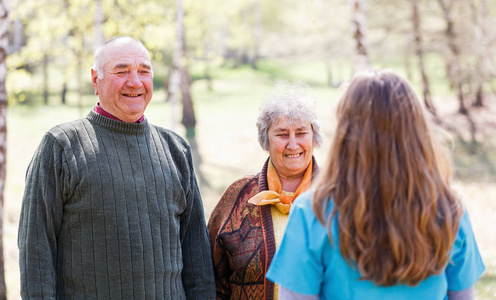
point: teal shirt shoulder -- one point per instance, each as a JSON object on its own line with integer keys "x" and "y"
{"x": 306, "y": 263}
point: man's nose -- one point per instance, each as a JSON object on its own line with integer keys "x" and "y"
{"x": 134, "y": 80}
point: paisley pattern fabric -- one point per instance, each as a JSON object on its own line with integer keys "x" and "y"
{"x": 242, "y": 239}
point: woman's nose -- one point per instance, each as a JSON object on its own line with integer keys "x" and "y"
{"x": 292, "y": 144}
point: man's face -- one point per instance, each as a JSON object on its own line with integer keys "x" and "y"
{"x": 127, "y": 86}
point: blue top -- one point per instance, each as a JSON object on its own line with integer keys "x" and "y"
{"x": 306, "y": 263}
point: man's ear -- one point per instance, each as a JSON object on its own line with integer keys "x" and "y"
{"x": 94, "y": 77}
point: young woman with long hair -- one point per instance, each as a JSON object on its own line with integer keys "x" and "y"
{"x": 382, "y": 221}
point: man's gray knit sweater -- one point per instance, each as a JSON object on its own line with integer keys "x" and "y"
{"x": 112, "y": 210}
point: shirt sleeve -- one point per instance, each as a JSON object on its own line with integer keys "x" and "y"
{"x": 41, "y": 219}
{"x": 298, "y": 264}
{"x": 198, "y": 275}
{"x": 286, "y": 294}
{"x": 465, "y": 266}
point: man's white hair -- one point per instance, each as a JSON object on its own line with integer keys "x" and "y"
{"x": 100, "y": 52}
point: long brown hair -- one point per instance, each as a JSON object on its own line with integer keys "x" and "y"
{"x": 388, "y": 180}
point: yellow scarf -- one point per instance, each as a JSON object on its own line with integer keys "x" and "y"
{"x": 275, "y": 195}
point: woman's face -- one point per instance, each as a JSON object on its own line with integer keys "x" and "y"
{"x": 290, "y": 147}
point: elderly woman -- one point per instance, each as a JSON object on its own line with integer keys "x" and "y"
{"x": 248, "y": 222}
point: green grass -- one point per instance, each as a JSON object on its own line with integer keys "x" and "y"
{"x": 227, "y": 140}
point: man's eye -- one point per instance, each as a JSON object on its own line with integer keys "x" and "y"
{"x": 301, "y": 133}
{"x": 282, "y": 134}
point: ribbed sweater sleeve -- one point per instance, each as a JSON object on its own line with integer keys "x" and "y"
{"x": 41, "y": 219}
{"x": 198, "y": 275}
{"x": 112, "y": 210}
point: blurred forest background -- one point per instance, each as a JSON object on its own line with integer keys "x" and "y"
{"x": 215, "y": 61}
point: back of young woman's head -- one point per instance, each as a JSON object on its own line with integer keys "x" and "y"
{"x": 388, "y": 179}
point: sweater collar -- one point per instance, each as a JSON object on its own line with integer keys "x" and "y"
{"x": 115, "y": 125}
{"x": 102, "y": 111}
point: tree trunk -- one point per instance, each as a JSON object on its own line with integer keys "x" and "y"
{"x": 63, "y": 93}
{"x": 207, "y": 57}
{"x": 454, "y": 70}
{"x": 189, "y": 122}
{"x": 175, "y": 75}
{"x": 4, "y": 25}
{"x": 45, "y": 79}
{"x": 359, "y": 25}
{"x": 18, "y": 35}
{"x": 420, "y": 55}
{"x": 189, "y": 119}
{"x": 408, "y": 65}
{"x": 479, "y": 16}
{"x": 257, "y": 33}
{"x": 184, "y": 84}
{"x": 98, "y": 24}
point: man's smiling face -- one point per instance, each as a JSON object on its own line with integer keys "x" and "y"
{"x": 127, "y": 84}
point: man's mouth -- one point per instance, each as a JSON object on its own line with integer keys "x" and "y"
{"x": 132, "y": 95}
{"x": 294, "y": 155}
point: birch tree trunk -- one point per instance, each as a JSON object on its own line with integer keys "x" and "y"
{"x": 98, "y": 24}
{"x": 4, "y": 25}
{"x": 479, "y": 16}
{"x": 359, "y": 25}
{"x": 189, "y": 119}
{"x": 63, "y": 92}
{"x": 45, "y": 79}
{"x": 175, "y": 75}
{"x": 454, "y": 67}
{"x": 419, "y": 51}
{"x": 18, "y": 35}
{"x": 453, "y": 62}
{"x": 180, "y": 80}
{"x": 257, "y": 33}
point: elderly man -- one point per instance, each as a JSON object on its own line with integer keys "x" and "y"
{"x": 111, "y": 208}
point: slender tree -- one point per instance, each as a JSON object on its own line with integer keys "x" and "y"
{"x": 479, "y": 17}
{"x": 181, "y": 80}
{"x": 419, "y": 50}
{"x": 4, "y": 24}
{"x": 257, "y": 33}
{"x": 175, "y": 74}
{"x": 46, "y": 91}
{"x": 189, "y": 119}
{"x": 98, "y": 24}
{"x": 454, "y": 66}
{"x": 453, "y": 61}
{"x": 359, "y": 25}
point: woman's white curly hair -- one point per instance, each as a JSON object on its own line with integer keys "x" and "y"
{"x": 291, "y": 100}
